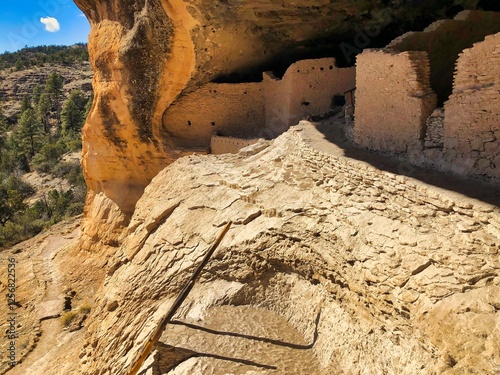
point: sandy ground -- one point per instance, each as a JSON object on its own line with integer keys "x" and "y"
{"x": 40, "y": 293}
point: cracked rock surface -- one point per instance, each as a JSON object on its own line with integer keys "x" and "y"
{"x": 147, "y": 54}
{"x": 393, "y": 275}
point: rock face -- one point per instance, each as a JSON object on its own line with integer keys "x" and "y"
{"x": 148, "y": 53}
{"x": 395, "y": 276}
{"x": 381, "y": 273}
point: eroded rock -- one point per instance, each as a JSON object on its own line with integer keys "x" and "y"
{"x": 393, "y": 306}
{"x": 146, "y": 54}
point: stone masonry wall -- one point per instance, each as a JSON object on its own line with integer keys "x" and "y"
{"x": 393, "y": 100}
{"x": 472, "y": 115}
{"x": 444, "y": 40}
{"x": 314, "y": 83}
{"x": 434, "y": 136}
{"x": 265, "y": 109}
{"x": 277, "y": 105}
{"x": 229, "y": 109}
{"x": 229, "y": 145}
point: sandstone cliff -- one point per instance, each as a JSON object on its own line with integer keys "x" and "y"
{"x": 373, "y": 272}
{"x": 148, "y": 53}
{"x": 394, "y": 276}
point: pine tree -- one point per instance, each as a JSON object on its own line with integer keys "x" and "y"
{"x": 43, "y": 111}
{"x": 73, "y": 113}
{"x": 11, "y": 202}
{"x": 36, "y": 94}
{"x": 88, "y": 106}
{"x": 29, "y": 133}
{"x": 54, "y": 88}
{"x": 25, "y": 103}
{"x": 3, "y": 134}
{"x": 54, "y": 84}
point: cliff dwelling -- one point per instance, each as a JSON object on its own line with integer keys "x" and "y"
{"x": 257, "y": 110}
{"x": 422, "y": 73}
{"x": 307, "y": 217}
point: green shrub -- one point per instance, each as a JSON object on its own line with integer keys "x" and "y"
{"x": 43, "y": 166}
{"x": 75, "y": 144}
{"x": 75, "y": 208}
{"x": 12, "y": 182}
{"x": 63, "y": 168}
{"x": 48, "y": 156}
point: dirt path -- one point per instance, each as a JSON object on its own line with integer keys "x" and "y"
{"x": 51, "y": 306}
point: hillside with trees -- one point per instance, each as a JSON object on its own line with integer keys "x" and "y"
{"x": 41, "y": 55}
{"x": 34, "y": 142}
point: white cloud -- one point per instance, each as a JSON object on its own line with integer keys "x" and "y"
{"x": 51, "y": 24}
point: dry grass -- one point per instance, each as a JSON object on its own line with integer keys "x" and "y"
{"x": 85, "y": 308}
{"x": 68, "y": 317}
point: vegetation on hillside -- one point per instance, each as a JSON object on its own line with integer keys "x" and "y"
{"x": 38, "y": 56}
{"x": 48, "y": 127}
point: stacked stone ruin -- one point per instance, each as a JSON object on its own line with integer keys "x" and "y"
{"x": 453, "y": 64}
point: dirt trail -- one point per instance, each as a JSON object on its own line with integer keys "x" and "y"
{"x": 51, "y": 306}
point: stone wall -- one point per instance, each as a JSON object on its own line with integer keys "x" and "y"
{"x": 314, "y": 84}
{"x": 277, "y": 102}
{"x": 229, "y": 109}
{"x": 264, "y": 109}
{"x": 393, "y": 100}
{"x": 444, "y": 40}
{"x": 229, "y": 145}
{"x": 472, "y": 114}
{"x": 434, "y": 137}
{"x": 398, "y": 88}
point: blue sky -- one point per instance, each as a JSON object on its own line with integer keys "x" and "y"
{"x": 40, "y": 22}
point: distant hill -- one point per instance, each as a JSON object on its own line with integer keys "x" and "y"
{"x": 22, "y": 71}
{"x": 45, "y": 96}
{"x": 16, "y": 85}
{"x": 38, "y": 56}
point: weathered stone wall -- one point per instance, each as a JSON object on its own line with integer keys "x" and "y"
{"x": 434, "y": 136}
{"x": 229, "y": 145}
{"x": 314, "y": 83}
{"x": 264, "y": 109}
{"x": 277, "y": 102}
{"x": 228, "y": 109}
{"x": 444, "y": 40}
{"x": 395, "y": 96}
{"x": 472, "y": 114}
{"x": 393, "y": 100}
